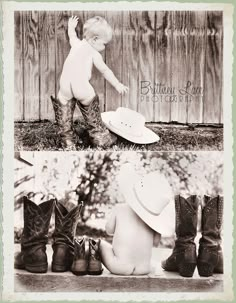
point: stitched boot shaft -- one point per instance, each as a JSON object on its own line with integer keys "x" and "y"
{"x": 63, "y": 237}
{"x": 64, "y": 119}
{"x": 183, "y": 258}
{"x": 34, "y": 238}
{"x": 210, "y": 256}
{"x": 98, "y": 133}
{"x": 94, "y": 258}
{"x": 80, "y": 262}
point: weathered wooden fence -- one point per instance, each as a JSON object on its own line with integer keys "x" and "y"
{"x": 172, "y": 62}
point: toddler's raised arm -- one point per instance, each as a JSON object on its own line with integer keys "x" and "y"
{"x": 72, "y": 23}
{"x": 108, "y": 74}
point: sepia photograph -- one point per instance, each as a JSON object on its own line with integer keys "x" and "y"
{"x": 117, "y": 151}
{"x": 115, "y": 222}
{"x": 118, "y": 80}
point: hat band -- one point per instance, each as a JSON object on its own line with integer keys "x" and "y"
{"x": 140, "y": 202}
{"x": 125, "y": 130}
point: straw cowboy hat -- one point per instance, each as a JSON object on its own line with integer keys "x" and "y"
{"x": 130, "y": 125}
{"x": 151, "y": 198}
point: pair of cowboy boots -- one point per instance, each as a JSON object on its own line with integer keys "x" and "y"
{"x": 98, "y": 134}
{"x": 184, "y": 258}
{"x": 33, "y": 257}
{"x": 87, "y": 260}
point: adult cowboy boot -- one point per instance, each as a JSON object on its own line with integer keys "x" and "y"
{"x": 34, "y": 238}
{"x": 80, "y": 262}
{"x": 210, "y": 255}
{"x": 94, "y": 258}
{"x": 63, "y": 237}
{"x": 99, "y": 135}
{"x": 183, "y": 258}
{"x": 64, "y": 120}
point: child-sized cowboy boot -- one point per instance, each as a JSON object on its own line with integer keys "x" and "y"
{"x": 183, "y": 258}
{"x": 210, "y": 255}
{"x": 34, "y": 238}
{"x": 99, "y": 135}
{"x": 63, "y": 237}
{"x": 94, "y": 258}
{"x": 80, "y": 263}
{"x": 64, "y": 119}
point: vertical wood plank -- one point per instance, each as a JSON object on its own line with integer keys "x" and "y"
{"x": 196, "y": 55}
{"x": 97, "y": 80}
{"x": 62, "y": 42}
{"x": 180, "y": 64}
{"x": 130, "y": 58}
{"x": 213, "y": 68}
{"x": 31, "y": 65}
{"x": 146, "y": 21}
{"x": 163, "y": 67}
{"x": 18, "y": 64}
{"x": 47, "y": 63}
{"x": 114, "y": 58}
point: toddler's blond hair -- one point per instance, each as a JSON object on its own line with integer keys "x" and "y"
{"x": 97, "y": 26}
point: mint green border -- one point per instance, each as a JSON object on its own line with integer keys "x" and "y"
{"x": 234, "y": 128}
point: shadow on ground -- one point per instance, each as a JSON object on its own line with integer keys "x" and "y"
{"x": 33, "y": 136}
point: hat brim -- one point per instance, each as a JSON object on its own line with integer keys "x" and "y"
{"x": 164, "y": 223}
{"x": 148, "y": 136}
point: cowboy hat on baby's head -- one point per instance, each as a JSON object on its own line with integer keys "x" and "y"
{"x": 151, "y": 198}
{"x": 130, "y": 125}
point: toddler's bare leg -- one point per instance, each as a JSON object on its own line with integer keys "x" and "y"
{"x": 111, "y": 262}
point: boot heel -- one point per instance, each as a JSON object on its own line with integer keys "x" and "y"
{"x": 187, "y": 269}
{"x": 59, "y": 268}
{"x": 38, "y": 269}
{"x": 205, "y": 269}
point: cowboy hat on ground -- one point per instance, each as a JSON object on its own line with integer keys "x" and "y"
{"x": 130, "y": 125}
{"x": 151, "y": 198}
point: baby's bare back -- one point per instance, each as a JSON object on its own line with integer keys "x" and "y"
{"x": 133, "y": 239}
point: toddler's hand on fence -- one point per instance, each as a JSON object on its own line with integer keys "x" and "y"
{"x": 122, "y": 89}
{"x": 73, "y": 21}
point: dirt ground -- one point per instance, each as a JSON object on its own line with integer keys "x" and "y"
{"x": 38, "y": 136}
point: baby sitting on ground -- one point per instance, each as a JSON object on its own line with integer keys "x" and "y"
{"x": 138, "y": 224}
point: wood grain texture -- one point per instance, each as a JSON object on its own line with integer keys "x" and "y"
{"x": 19, "y": 63}
{"x": 166, "y": 48}
{"x": 163, "y": 61}
{"x": 130, "y": 58}
{"x": 97, "y": 80}
{"x": 196, "y": 61}
{"x": 47, "y": 63}
{"x": 213, "y": 68}
{"x": 146, "y": 21}
{"x": 62, "y": 42}
{"x": 31, "y": 65}
{"x": 114, "y": 58}
{"x": 180, "y": 65}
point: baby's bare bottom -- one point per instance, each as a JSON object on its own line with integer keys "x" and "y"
{"x": 80, "y": 90}
{"x": 118, "y": 267}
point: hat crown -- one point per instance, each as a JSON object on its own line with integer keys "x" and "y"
{"x": 153, "y": 192}
{"x": 129, "y": 121}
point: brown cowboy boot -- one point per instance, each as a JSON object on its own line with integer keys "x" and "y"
{"x": 210, "y": 255}
{"x": 64, "y": 119}
{"x": 34, "y": 238}
{"x": 63, "y": 237}
{"x": 80, "y": 263}
{"x": 94, "y": 258}
{"x": 183, "y": 258}
{"x": 98, "y": 133}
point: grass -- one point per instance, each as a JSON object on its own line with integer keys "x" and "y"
{"x": 38, "y": 136}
